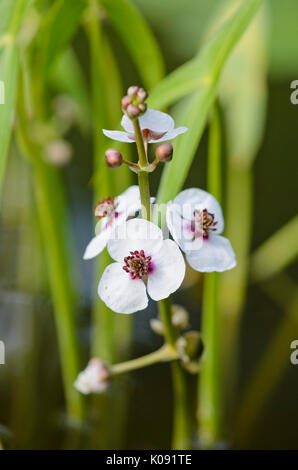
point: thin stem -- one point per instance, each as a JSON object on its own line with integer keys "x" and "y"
{"x": 163, "y": 354}
{"x": 165, "y": 313}
{"x": 209, "y": 408}
{"x": 142, "y": 176}
{"x": 181, "y": 419}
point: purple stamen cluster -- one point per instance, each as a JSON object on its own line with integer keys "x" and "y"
{"x": 203, "y": 223}
{"x": 138, "y": 264}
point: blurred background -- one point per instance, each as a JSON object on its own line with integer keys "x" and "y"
{"x": 55, "y": 69}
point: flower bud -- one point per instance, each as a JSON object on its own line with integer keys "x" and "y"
{"x": 142, "y": 107}
{"x": 157, "y": 326}
{"x": 180, "y": 317}
{"x": 132, "y": 91}
{"x": 95, "y": 378}
{"x": 142, "y": 95}
{"x": 58, "y": 152}
{"x": 190, "y": 348}
{"x": 126, "y": 101}
{"x": 132, "y": 111}
{"x": 164, "y": 152}
{"x": 113, "y": 158}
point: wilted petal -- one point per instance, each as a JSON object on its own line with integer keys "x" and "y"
{"x": 120, "y": 292}
{"x": 168, "y": 271}
{"x": 94, "y": 379}
{"x": 216, "y": 254}
{"x": 117, "y": 135}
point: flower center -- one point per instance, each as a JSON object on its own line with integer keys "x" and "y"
{"x": 138, "y": 264}
{"x": 203, "y": 223}
{"x": 106, "y": 208}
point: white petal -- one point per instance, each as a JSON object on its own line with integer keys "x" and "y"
{"x": 129, "y": 199}
{"x": 190, "y": 199}
{"x": 168, "y": 271}
{"x": 121, "y": 293}
{"x": 152, "y": 119}
{"x": 170, "y": 135}
{"x": 216, "y": 254}
{"x": 118, "y": 135}
{"x": 136, "y": 234}
{"x": 179, "y": 228}
{"x": 97, "y": 244}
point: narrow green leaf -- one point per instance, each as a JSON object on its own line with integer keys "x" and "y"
{"x": 57, "y": 29}
{"x": 138, "y": 39}
{"x": 276, "y": 253}
{"x": 9, "y": 65}
{"x": 202, "y": 73}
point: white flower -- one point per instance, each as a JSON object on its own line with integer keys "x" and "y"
{"x": 112, "y": 213}
{"x": 94, "y": 379}
{"x": 155, "y": 125}
{"x": 195, "y": 221}
{"x": 144, "y": 262}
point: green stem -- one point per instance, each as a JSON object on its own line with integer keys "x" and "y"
{"x": 181, "y": 419}
{"x": 163, "y": 354}
{"x": 209, "y": 408}
{"x": 143, "y": 175}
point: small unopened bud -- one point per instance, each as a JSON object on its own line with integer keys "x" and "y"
{"x": 142, "y": 95}
{"x": 190, "y": 348}
{"x": 132, "y": 91}
{"x": 164, "y": 152}
{"x": 180, "y": 317}
{"x": 113, "y": 158}
{"x": 58, "y": 152}
{"x": 157, "y": 326}
{"x": 132, "y": 111}
{"x": 95, "y": 378}
{"x": 126, "y": 101}
{"x": 142, "y": 107}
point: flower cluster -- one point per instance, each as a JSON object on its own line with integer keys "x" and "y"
{"x": 147, "y": 264}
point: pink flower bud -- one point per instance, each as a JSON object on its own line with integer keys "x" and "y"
{"x": 132, "y": 91}
{"x": 142, "y": 95}
{"x": 132, "y": 111}
{"x": 126, "y": 100}
{"x": 164, "y": 152}
{"x": 113, "y": 158}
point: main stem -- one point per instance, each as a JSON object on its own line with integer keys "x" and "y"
{"x": 142, "y": 175}
{"x": 181, "y": 424}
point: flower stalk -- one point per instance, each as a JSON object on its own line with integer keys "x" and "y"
{"x": 165, "y": 353}
{"x": 209, "y": 388}
{"x": 142, "y": 175}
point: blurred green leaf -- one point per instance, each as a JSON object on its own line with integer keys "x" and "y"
{"x": 201, "y": 73}
{"x": 204, "y": 69}
{"x": 57, "y": 29}
{"x": 67, "y": 65}
{"x": 11, "y": 21}
{"x": 276, "y": 253}
{"x": 138, "y": 39}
